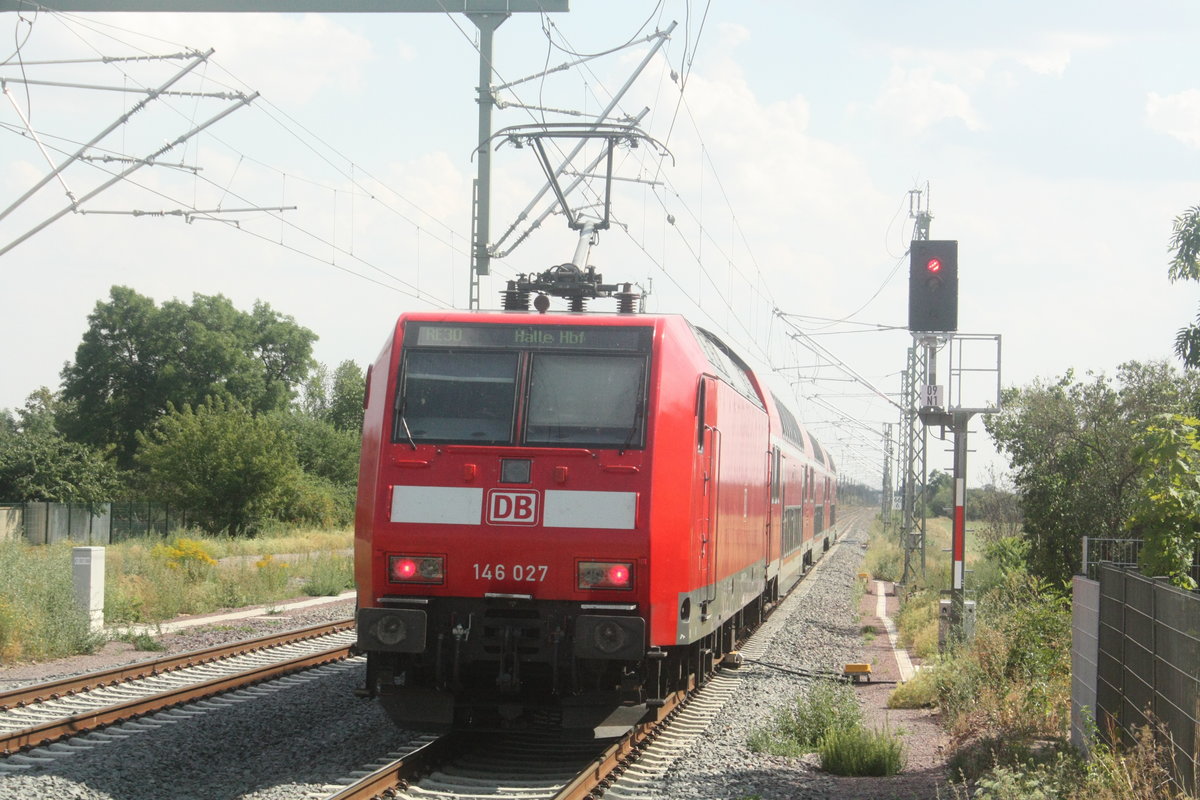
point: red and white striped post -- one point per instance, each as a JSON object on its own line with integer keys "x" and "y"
{"x": 958, "y": 540}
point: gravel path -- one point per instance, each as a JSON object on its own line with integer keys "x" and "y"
{"x": 309, "y": 730}
{"x": 817, "y": 629}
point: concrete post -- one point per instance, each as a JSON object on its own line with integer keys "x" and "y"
{"x": 88, "y": 574}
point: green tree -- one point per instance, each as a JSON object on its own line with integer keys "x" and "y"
{"x": 321, "y": 449}
{"x": 1185, "y": 265}
{"x": 1070, "y": 444}
{"x": 137, "y": 359}
{"x": 938, "y": 497}
{"x": 997, "y": 507}
{"x": 1166, "y": 514}
{"x": 221, "y": 460}
{"x": 37, "y": 463}
{"x": 337, "y": 398}
{"x": 346, "y": 398}
{"x": 314, "y": 398}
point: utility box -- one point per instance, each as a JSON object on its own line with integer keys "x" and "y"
{"x": 944, "y": 617}
{"x": 88, "y": 573}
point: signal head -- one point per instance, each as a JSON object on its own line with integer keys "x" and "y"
{"x": 933, "y": 286}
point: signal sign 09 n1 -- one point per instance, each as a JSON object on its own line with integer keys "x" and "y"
{"x": 933, "y": 285}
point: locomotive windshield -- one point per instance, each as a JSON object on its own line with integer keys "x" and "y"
{"x": 586, "y": 399}
{"x": 457, "y": 397}
{"x": 566, "y": 386}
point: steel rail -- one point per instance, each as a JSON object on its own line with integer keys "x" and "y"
{"x": 54, "y": 690}
{"x": 599, "y": 772}
{"x": 402, "y": 771}
{"x": 77, "y": 724}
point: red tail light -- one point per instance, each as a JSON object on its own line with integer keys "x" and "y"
{"x": 605, "y": 575}
{"x": 416, "y": 569}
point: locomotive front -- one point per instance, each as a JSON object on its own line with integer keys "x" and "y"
{"x": 501, "y": 549}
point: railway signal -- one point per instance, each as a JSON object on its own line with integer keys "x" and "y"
{"x": 933, "y": 285}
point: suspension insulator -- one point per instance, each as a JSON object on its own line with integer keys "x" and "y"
{"x": 625, "y": 300}
{"x": 515, "y": 299}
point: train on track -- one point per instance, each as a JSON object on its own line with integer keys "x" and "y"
{"x": 565, "y": 514}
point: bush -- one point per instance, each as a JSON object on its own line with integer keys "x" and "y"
{"x": 331, "y": 575}
{"x": 858, "y": 751}
{"x": 885, "y": 559}
{"x": 189, "y": 555}
{"x": 315, "y": 501}
{"x": 799, "y": 729}
{"x": 920, "y": 692}
{"x": 1040, "y": 782}
{"x": 917, "y": 622}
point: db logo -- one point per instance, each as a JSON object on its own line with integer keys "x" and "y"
{"x": 512, "y": 508}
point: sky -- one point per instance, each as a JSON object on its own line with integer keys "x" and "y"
{"x": 1055, "y": 142}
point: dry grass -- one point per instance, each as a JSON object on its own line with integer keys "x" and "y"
{"x": 152, "y": 579}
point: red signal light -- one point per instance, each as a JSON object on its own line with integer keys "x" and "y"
{"x": 416, "y": 569}
{"x": 618, "y": 575}
{"x": 605, "y": 575}
{"x": 933, "y": 265}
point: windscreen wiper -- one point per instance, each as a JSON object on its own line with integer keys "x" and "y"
{"x": 637, "y": 414}
{"x": 404, "y": 422}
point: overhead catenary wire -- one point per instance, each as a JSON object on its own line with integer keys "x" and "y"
{"x": 195, "y": 213}
{"x": 758, "y": 285}
{"x": 719, "y": 261}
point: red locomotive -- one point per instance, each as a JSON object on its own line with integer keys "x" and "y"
{"x": 560, "y": 514}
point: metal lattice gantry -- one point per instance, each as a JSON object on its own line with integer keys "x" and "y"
{"x": 914, "y": 463}
{"x": 886, "y": 493}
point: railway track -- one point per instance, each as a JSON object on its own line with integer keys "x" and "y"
{"x": 44, "y": 713}
{"x": 550, "y": 768}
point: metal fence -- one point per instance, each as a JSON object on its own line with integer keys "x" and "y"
{"x": 49, "y": 523}
{"x": 90, "y": 523}
{"x": 1085, "y": 648}
{"x": 132, "y": 518}
{"x": 1121, "y": 553}
{"x": 1148, "y": 664}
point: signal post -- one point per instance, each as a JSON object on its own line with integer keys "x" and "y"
{"x": 933, "y": 321}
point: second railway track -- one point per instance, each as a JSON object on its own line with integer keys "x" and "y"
{"x": 44, "y": 713}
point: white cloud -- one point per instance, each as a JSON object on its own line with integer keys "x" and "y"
{"x": 926, "y": 87}
{"x": 288, "y": 58}
{"x": 913, "y": 100}
{"x": 1176, "y": 115}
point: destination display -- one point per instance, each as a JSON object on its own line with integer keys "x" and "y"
{"x": 529, "y": 337}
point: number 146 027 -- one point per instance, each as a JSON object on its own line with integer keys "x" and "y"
{"x": 529, "y": 573}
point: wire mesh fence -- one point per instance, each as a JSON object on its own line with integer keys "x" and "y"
{"x": 1148, "y": 665}
{"x": 133, "y": 518}
{"x": 1122, "y": 553}
{"x": 91, "y": 523}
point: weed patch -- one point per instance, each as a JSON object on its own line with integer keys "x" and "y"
{"x": 858, "y": 751}
{"x": 799, "y": 728}
{"x": 330, "y": 575}
{"x": 142, "y": 641}
{"x": 38, "y": 615}
{"x": 920, "y": 692}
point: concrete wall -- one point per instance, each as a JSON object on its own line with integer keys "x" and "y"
{"x": 12, "y": 523}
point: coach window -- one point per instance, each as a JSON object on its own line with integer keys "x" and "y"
{"x": 593, "y": 400}
{"x": 452, "y": 396}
